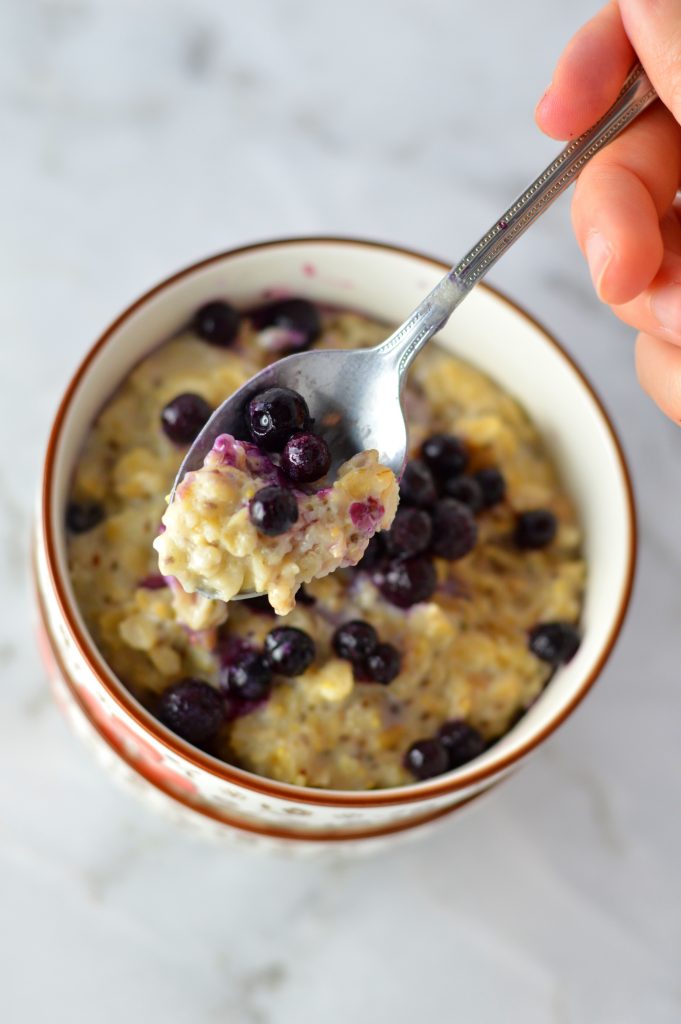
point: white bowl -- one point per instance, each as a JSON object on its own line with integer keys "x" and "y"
{"x": 489, "y": 331}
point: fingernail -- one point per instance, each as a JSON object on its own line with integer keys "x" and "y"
{"x": 665, "y": 304}
{"x": 598, "y": 254}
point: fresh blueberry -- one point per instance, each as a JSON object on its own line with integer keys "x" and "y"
{"x": 381, "y": 666}
{"x": 273, "y": 510}
{"x": 248, "y": 677}
{"x": 305, "y": 458}
{"x": 217, "y": 323}
{"x": 446, "y": 455}
{"x": 407, "y": 582}
{"x": 275, "y": 415}
{"x": 298, "y": 317}
{"x": 465, "y": 489}
{"x": 410, "y": 533}
{"x": 374, "y": 553}
{"x": 193, "y": 709}
{"x": 355, "y": 640}
{"x": 417, "y": 486}
{"x": 82, "y": 516}
{"x": 231, "y": 649}
{"x": 454, "y": 529}
{"x": 426, "y": 758}
{"x": 289, "y": 651}
{"x": 555, "y": 642}
{"x": 184, "y": 417}
{"x": 492, "y": 484}
{"x": 535, "y": 529}
{"x": 461, "y": 741}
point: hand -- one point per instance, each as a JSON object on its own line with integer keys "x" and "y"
{"x": 624, "y": 211}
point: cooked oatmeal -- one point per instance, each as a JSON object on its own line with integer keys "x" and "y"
{"x": 465, "y": 605}
{"x": 210, "y": 544}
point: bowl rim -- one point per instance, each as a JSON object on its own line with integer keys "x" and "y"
{"x": 449, "y": 783}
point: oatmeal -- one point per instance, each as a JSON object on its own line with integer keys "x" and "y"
{"x": 405, "y": 666}
{"x": 236, "y": 524}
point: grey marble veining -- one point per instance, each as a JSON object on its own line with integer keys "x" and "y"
{"x": 137, "y": 137}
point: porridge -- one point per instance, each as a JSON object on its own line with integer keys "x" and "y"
{"x": 398, "y": 668}
{"x": 238, "y": 524}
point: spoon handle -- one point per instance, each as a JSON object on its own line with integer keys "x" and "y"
{"x": 636, "y": 94}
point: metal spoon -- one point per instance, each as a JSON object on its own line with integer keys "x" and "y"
{"x": 343, "y": 389}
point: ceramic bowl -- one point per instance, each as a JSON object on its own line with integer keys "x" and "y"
{"x": 488, "y": 330}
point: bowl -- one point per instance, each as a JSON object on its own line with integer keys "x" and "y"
{"x": 489, "y": 331}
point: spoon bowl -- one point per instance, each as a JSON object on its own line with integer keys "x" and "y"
{"x": 338, "y": 385}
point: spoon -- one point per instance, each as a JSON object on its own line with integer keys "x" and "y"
{"x": 343, "y": 389}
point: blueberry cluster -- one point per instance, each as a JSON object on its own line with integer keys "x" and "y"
{"x": 372, "y": 661}
{"x": 279, "y": 422}
{"x": 278, "y": 419}
{"x": 246, "y": 673}
{"x": 218, "y": 323}
{"x": 456, "y": 743}
{"x": 436, "y": 517}
{"x": 195, "y": 710}
{"x": 297, "y": 319}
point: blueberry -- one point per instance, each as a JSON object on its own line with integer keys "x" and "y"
{"x": 408, "y": 582}
{"x": 273, "y": 510}
{"x": 382, "y": 665}
{"x": 492, "y": 484}
{"x": 232, "y": 648}
{"x": 297, "y": 316}
{"x": 217, "y": 323}
{"x": 535, "y": 529}
{"x": 184, "y": 417}
{"x": 454, "y": 529}
{"x": 426, "y": 758}
{"x": 247, "y": 677}
{"x": 461, "y": 741}
{"x": 465, "y": 489}
{"x": 289, "y": 651}
{"x": 193, "y": 709}
{"x": 374, "y": 553}
{"x": 555, "y": 642}
{"x": 305, "y": 458}
{"x": 417, "y": 486}
{"x": 446, "y": 455}
{"x": 410, "y": 533}
{"x": 82, "y": 516}
{"x": 355, "y": 640}
{"x": 275, "y": 415}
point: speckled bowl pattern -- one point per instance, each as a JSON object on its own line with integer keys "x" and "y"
{"x": 488, "y": 331}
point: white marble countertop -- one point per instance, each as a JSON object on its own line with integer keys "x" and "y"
{"x": 139, "y": 136}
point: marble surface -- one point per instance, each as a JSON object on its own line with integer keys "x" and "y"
{"x": 141, "y": 135}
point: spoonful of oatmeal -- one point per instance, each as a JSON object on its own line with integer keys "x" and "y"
{"x": 293, "y": 474}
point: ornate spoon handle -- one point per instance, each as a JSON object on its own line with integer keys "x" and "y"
{"x": 637, "y": 93}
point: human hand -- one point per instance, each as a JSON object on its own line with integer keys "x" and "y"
{"x": 624, "y": 212}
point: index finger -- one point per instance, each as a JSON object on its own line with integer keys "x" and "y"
{"x": 588, "y": 76}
